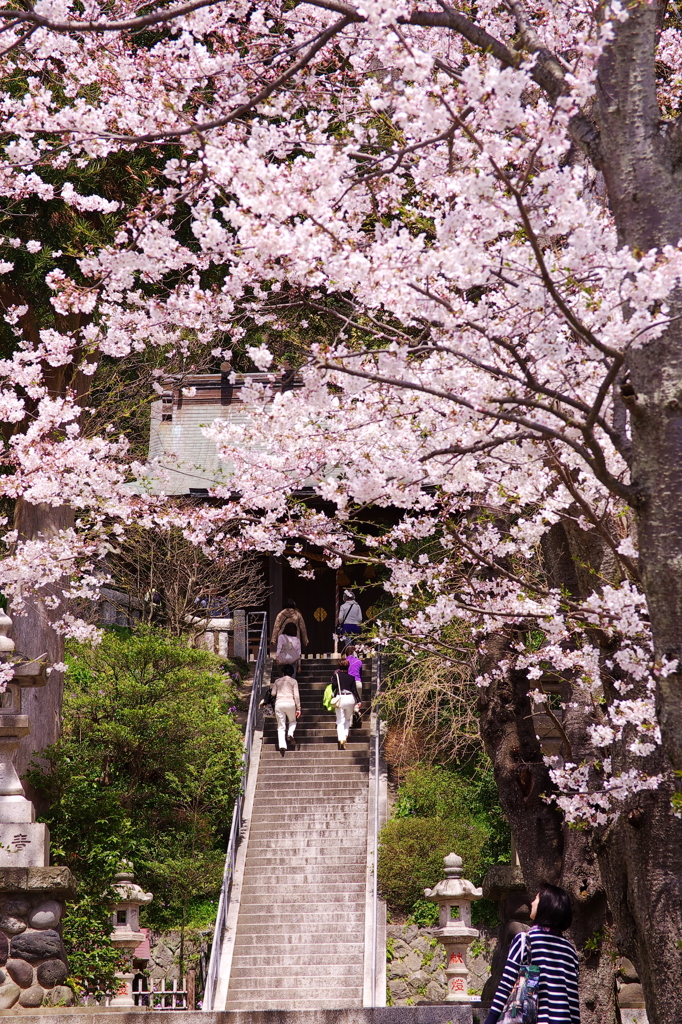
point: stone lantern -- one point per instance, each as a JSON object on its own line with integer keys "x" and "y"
{"x": 125, "y": 920}
{"x": 454, "y": 895}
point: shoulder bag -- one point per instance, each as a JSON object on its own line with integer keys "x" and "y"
{"x": 522, "y": 1004}
{"x": 330, "y": 699}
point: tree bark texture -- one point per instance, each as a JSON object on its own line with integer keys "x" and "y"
{"x": 547, "y": 849}
{"x": 643, "y": 173}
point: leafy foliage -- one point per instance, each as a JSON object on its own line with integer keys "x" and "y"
{"x": 439, "y": 810}
{"x": 147, "y": 768}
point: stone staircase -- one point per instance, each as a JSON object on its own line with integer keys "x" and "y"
{"x": 300, "y": 937}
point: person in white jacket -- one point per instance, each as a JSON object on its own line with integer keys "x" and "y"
{"x": 287, "y": 707}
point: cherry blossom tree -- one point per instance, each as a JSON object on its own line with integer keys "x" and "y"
{"x": 483, "y": 202}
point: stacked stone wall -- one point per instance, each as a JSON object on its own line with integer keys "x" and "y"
{"x": 416, "y": 961}
{"x": 33, "y": 967}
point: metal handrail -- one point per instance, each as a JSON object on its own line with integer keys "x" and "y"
{"x": 235, "y": 830}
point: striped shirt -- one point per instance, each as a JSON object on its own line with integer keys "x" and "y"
{"x": 558, "y": 988}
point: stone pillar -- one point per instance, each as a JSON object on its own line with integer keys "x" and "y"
{"x": 240, "y": 637}
{"x": 125, "y": 920}
{"x": 23, "y": 842}
{"x": 454, "y": 896}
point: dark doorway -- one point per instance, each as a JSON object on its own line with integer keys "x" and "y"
{"x": 316, "y": 599}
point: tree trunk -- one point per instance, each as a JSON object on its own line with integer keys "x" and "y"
{"x": 34, "y": 636}
{"x": 641, "y": 864}
{"x": 642, "y": 169}
{"x": 547, "y": 849}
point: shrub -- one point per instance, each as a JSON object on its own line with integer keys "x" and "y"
{"x": 147, "y": 768}
{"x": 411, "y": 852}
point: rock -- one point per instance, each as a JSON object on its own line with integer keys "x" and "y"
{"x": 418, "y": 980}
{"x": 398, "y": 989}
{"x": 52, "y": 972}
{"x": 421, "y": 945}
{"x": 32, "y": 996}
{"x": 400, "y": 949}
{"x": 626, "y": 969}
{"x": 9, "y": 993}
{"x": 397, "y": 969}
{"x": 12, "y": 925}
{"x": 162, "y": 956}
{"x": 61, "y": 995}
{"x": 410, "y": 932}
{"x": 412, "y": 963}
{"x": 435, "y": 993}
{"x": 45, "y": 915}
{"x": 20, "y": 972}
{"x": 14, "y": 908}
{"x": 4, "y": 948}
{"x": 632, "y": 996}
{"x": 38, "y": 945}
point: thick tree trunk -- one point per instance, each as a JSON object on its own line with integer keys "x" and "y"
{"x": 34, "y": 637}
{"x": 547, "y": 849}
{"x": 641, "y": 863}
{"x": 643, "y": 172}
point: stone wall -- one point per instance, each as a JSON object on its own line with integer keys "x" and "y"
{"x": 32, "y": 956}
{"x": 165, "y": 952}
{"x": 416, "y": 960}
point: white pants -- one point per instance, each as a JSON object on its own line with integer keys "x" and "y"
{"x": 284, "y": 712}
{"x": 344, "y": 716}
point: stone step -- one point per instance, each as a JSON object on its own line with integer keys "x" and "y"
{"x": 331, "y": 927}
{"x": 320, "y": 902}
{"x": 313, "y": 820}
{"x": 261, "y": 863}
{"x": 301, "y": 770}
{"x": 336, "y": 972}
{"x": 298, "y": 890}
{"x": 291, "y": 999}
{"x": 310, "y": 959}
{"x": 291, "y": 945}
{"x": 278, "y": 917}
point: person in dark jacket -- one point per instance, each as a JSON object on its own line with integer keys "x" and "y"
{"x": 555, "y": 956}
{"x": 346, "y": 690}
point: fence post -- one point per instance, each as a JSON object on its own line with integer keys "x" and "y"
{"x": 191, "y": 989}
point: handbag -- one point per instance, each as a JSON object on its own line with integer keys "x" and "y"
{"x": 290, "y": 652}
{"x": 522, "y": 1003}
{"x": 268, "y": 703}
{"x": 331, "y": 700}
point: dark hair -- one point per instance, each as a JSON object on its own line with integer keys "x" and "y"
{"x": 554, "y": 908}
{"x": 289, "y": 603}
{"x": 343, "y": 664}
{"x": 290, "y": 629}
{"x": 350, "y": 650}
{"x": 287, "y": 670}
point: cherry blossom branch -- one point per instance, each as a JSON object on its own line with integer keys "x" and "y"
{"x": 156, "y": 17}
{"x": 319, "y": 43}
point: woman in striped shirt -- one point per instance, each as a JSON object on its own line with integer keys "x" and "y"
{"x": 553, "y": 954}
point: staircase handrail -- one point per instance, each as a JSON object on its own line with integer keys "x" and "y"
{"x": 235, "y": 830}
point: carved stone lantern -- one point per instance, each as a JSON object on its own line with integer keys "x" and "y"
{"x": 125, "y": 920}
{"x": 454, "y": 895}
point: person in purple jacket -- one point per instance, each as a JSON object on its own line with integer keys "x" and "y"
{"x": 354, "y": 667}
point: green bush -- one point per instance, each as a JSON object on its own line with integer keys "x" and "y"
{"x": 440, "y": 810}
{"x": 411, "y": 852}
{"x": 147, "y": 769}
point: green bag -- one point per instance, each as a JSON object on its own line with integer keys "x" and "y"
{"x": 328, "y": 697}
